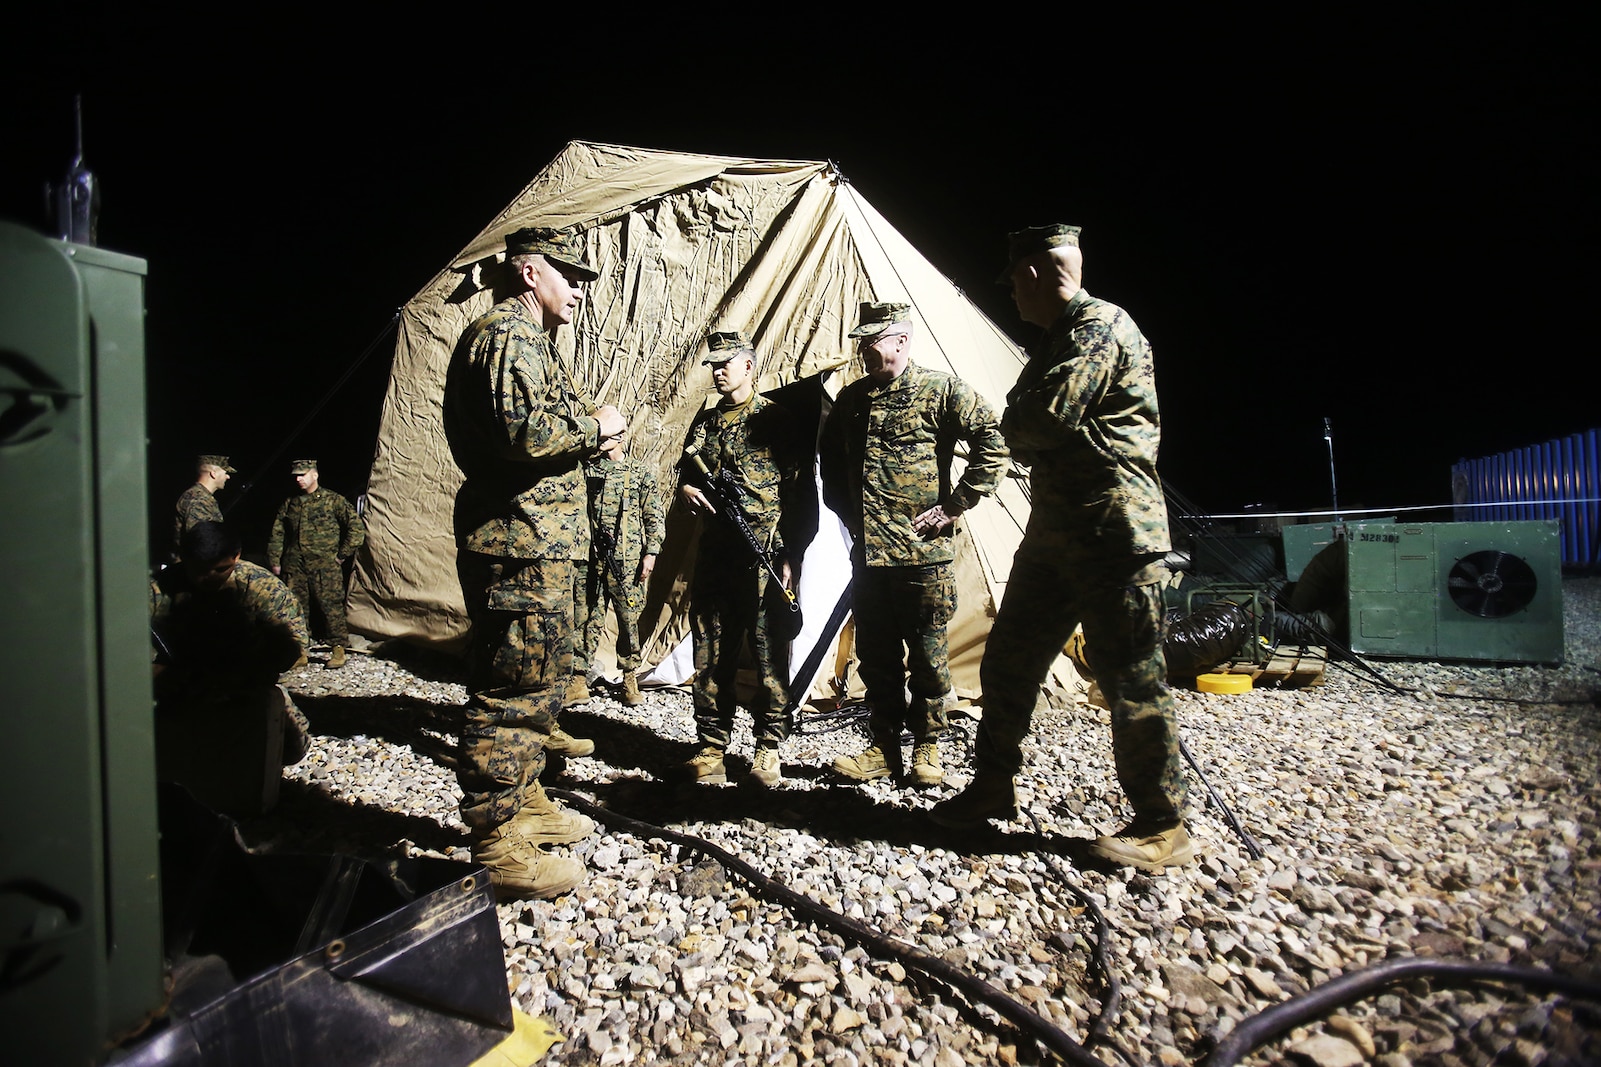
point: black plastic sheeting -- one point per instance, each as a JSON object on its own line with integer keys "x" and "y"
{"x": 317, "y": 960}
{"x": 1206, "y": 637}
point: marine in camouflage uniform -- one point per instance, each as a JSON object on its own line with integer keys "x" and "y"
{"x": 732, "y": 594}
{"x": 198, "y": 503}
{"x": 625, "y": 514}
{"x": 312, "y": 535}
{"x": 1083, "y": 415}
{"x": 520, "y": 432}
{"x": 886, "y": 462}
{"x": 223, "y": 631}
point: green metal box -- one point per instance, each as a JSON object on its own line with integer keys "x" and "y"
{"x": 1488, "y": 591}
{"x": 80, "y": 899}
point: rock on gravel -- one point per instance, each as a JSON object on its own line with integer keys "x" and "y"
{"x": 1451, "y": 814}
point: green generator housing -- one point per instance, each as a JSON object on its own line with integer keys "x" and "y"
{"x": 80, "y": 891}
{"x": 1478, "y": 591}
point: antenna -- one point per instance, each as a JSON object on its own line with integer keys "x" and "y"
{"x": 77, "y": 198}
{"x": 1334, "y": 492}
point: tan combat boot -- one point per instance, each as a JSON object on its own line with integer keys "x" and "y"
{"x": 565, "y": 744}
{"x": 766, "y": 769}
{"x": 336, "y": 659}
{"x": 926, "y": 769}
{"x": 632, "y": 697}
{"x": 577, "y": 691}
{"x": 707, "y": 766}
{"x": 519, "y": 869}
{"x": 542, "y": 821}
{"x": 300, "y": 662}
{"x": 1146, "y": 847}
{"x": 989, "y": 795}
{"x": 873, "y": 762}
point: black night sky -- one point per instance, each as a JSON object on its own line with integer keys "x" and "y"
{"x": 1386, "y": 221}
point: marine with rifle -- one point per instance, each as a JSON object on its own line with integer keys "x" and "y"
{"x": 740, "y": 471}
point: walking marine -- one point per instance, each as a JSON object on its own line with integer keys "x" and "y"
{"x": 1083, "y": 415}
{"x": 312, "y": 536}
{"x": 886, "y": 458}
{"x": 750, "y": 449}
{"x": 520, "y": 433}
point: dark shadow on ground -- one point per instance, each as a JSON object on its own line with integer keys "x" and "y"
{"x": 308, "y": 818}
{"x": 431, "y": 729}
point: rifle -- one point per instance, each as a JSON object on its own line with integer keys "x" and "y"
{"x": 724, "y": 493}
{"x": 608, "y": 553}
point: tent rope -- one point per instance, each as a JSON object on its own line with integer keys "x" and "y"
{"x": 287, "y": 440}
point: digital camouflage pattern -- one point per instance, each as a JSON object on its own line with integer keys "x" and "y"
{"x": 759, "y": 443}
{"x": 1083, "y": 414}
{"x": 1048, "y": 595}
{"x": 1083, "y": 417}
{"x": 250, "y": 630}
{"x": 730, "y": 601}
{"x": 886, "y": 456}
{"x": 196, "y": 504}
{"x": 311, "y": 534}
{"x": 221, "y": 652}
{"x": 519, "y": 659}
{"x": 625, "y": 512}
{"x": 901, "y": 618}
{"x": 519, "y": 431}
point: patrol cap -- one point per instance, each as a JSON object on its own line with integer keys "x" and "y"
{"x": 876, "y": 316}
{"x": 725, "y": 345}
{"x": 217, "y": 461}
{"x": 559, "y": 246}
{"x": 302, "y": 466}
{"x": 1020, "y": 244}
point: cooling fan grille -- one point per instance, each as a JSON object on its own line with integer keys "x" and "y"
{"x": 1492, "y": 584}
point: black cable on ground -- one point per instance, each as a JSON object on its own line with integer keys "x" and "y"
{"x": 1025, "y": 1018}
{"x": 1228, "y": 815}
{"x": 1112, "y": 989}
{"x": 1279, "y": 1019}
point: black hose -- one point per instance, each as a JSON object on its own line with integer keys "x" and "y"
{"x": 1111, "y": 989}
{"x": 1046, "y": 1032}
{"x": 1283, "y": 1017}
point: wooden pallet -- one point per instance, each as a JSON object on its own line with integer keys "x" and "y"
{"x": 1289, "y": 667}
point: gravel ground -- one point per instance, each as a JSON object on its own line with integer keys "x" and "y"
{"x": 1456, "y": 820}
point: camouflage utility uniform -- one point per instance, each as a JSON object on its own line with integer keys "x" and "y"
{"x": 222, "y": 651}
{"x": 1083, "y": 415}
{"x": 520, "y": 433}
{"x": 311, "y": 534}
{"x": 252, "y": 626}
{"x": 196, "y": 504}
{"x": 731, "y": 594}
{"x": 886, "y": 457}
{"x": 625, "y": 512}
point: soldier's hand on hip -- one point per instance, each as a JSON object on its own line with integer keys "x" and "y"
{"x": 934, "y": 519}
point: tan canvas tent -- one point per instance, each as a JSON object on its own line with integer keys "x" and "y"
{"x": 684, "y": 244}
